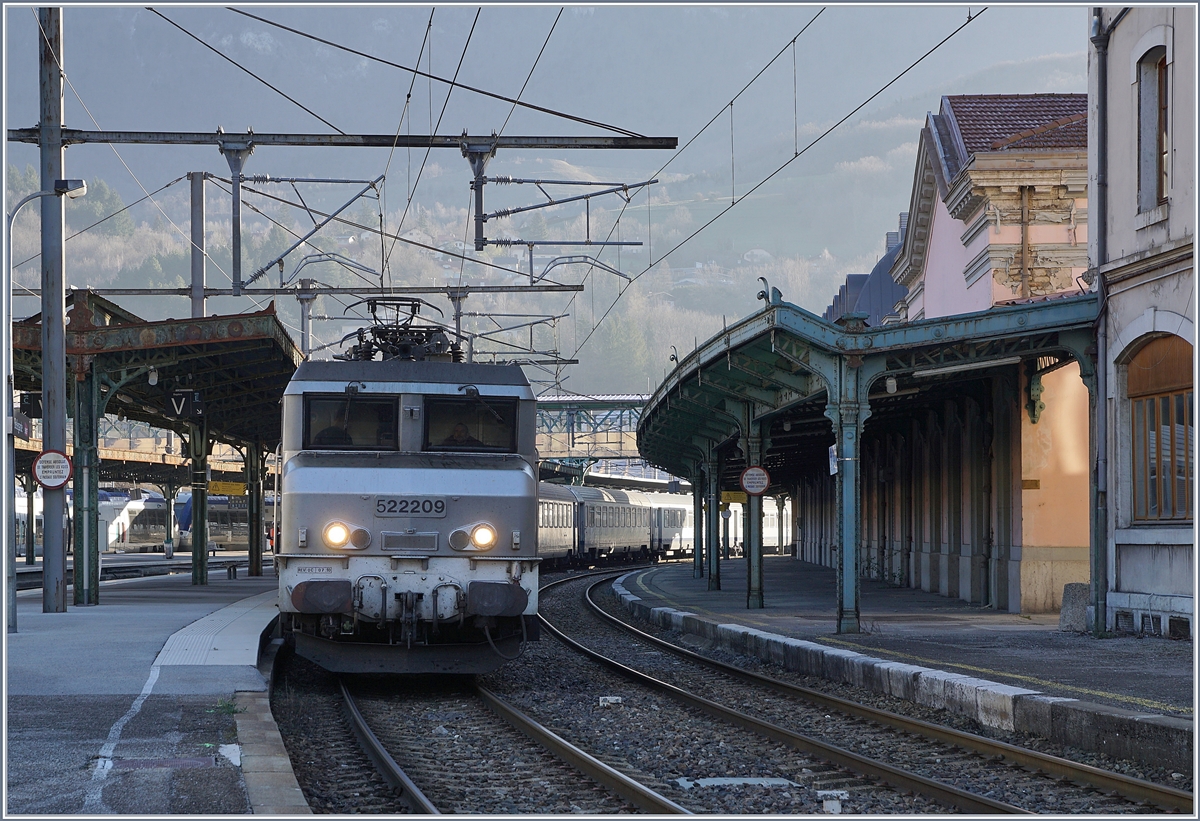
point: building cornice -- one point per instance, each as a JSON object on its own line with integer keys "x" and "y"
{"x": 1178, "y": 254}
{"x": 910, "y": 262}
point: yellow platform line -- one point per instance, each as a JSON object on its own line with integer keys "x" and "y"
{"x": 1135, "y": 700}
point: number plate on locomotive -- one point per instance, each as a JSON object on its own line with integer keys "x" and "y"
{"x": 430, "y": 507}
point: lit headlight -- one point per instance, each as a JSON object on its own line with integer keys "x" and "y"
{"x": 336, "y": 534}
{"x": 483, "y": 536}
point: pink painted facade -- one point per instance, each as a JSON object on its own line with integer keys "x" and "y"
{"x": 998, "y": 215}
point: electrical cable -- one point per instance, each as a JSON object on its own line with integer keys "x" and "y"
{"x": 405, "y": 113}
{"x": 770, "y": 176}
{"x": 445, "y": 104}
{"x": 106, "y": 219}
{"x": 649, "y": 233}
{"x": 520, "y": 93}
{"x": 165, "y": 215}
{"x": 453, "y": 83}
{"x": 243, "y": 68}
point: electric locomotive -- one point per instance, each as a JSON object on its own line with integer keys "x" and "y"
{"x": 408, "y": 511}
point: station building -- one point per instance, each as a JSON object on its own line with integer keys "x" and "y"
{"x": 1142, "y": 150}
{"x": 942, "y": 441}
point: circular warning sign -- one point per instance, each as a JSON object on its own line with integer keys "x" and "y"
{"x": 755, "y": 480}
{"x": 52, "y": 469}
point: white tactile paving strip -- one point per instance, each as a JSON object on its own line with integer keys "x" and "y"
{"x": 228, "y": 636}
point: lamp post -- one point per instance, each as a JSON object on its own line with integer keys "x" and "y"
{"x": 8, "y": 472}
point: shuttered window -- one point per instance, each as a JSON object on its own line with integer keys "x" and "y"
{"x": 1161, "y": 399}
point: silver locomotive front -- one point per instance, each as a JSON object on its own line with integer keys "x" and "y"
{"x": 408, "y": 536}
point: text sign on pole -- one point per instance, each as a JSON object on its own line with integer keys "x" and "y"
{"x": 52, "y": 469}
{"x": 755, "y": 480}
{"x": 832, "y": 459}
{"x": 184, "y": 404}
{"x": 733, "y": 496}
{"x": 227, "y": 488}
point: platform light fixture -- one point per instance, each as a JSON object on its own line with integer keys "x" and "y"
{"x": 968, "y": 366}
{"x": 152, "y": 377}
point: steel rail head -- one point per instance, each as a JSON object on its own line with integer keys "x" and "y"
{"x": 894, "y": 776}
{"x": 1135, "y": 788}
{"x": 637, "y": 794}
{"x": 383, "y": 761}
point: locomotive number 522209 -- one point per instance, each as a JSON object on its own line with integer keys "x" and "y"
{"x": 425, "y": 506}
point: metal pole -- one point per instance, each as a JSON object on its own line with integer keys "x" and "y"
{"x": 54, "y": 380}
{"x": 9, "y": 469}
{"x": 254, "y": 501}
{"x": 712, "y": 529}
{"x": 198, "y": 249}
{"x": 169, "y": 541}
{"x": 698, "y": 480}
{"x": 31, "y": 523}
{"x": 198, "y": 444}
{"x": 235, "y": 155}
{"x": 306, "y": 300}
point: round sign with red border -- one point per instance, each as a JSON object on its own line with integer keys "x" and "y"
{"x": 52, "y": 469}
{"x": 755, "y": 480}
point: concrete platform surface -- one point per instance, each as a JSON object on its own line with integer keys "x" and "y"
{"x": 1004, "y": 669}
{"x": 149, "y": 703}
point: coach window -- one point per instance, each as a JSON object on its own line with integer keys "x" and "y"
{"x": 350, "y": 422}
{"x": 479, "y": 424}
{"x": 1160, "y": 391}
{"x": 1153, "y": 141}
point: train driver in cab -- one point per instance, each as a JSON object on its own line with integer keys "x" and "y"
{"x": 460, "y": 437}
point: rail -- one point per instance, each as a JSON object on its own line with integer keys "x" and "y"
{"x": 637, "y": 794}
{"x": 897, "y": 778}
{"x": 383, "y": 761}
{"x": 1162, "y": 796}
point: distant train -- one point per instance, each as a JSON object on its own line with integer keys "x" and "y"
{"x": 587, "y": 525}
{"x": 126, "y": 523}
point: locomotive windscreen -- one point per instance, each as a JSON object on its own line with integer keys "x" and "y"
{"x": 350, "y": 422}
{"x": 474, "y": 424}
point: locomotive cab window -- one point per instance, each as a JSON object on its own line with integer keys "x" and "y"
{"x": 350, "y": 422}
{"x": 471, "y": 425}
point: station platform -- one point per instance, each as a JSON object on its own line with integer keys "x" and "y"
{"x": 151, "y": 702}
{"x": 1128, "y": 696}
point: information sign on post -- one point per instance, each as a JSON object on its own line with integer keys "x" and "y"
{"x": 755, "y": 480}
{"x": 52, "y": 469}
{"x": 227, "y": 488}
{"x": 832, "y": 459}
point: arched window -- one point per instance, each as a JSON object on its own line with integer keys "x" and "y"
{"x": 1160, "y": 391}
{"x": 1152, "y": 129}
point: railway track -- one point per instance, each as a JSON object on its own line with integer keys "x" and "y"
{"x": 957, "y": 769}
{"x": 461, "y": 748}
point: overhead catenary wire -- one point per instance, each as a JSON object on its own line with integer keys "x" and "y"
{"x": 405, "y": 115}
{"x": 235, "y": 63}
{"x": 788, "y": 162}
{"x": 165, "y": 215}
{"x": 433, "y": 130}
{"x": 513, "y": 108}
{"x": 649, "y": 224}
{"x": 103, "y": 220}
{"x": 454, "y": 83}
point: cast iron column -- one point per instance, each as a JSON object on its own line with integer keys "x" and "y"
{"x": 86, "y": 497}
{"x": 712, "y": 545}
{"x": 254, "y": 502}
{"x": 752, "y": 541}
{"x": 198, "y": 447}
{"x": 698, "y": 486}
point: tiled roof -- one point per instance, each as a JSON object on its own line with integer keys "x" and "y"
{"x": 991, "y": 122}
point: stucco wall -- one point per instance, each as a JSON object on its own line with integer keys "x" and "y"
{"x": 1142, "y": 29}
{"x": 1054, "y": 492}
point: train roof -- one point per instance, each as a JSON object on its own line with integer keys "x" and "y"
{"x": 418, "y": 374}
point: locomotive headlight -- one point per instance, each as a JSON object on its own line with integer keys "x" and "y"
{"x": 483, "y": 536}
{"x": 336, "y": 534}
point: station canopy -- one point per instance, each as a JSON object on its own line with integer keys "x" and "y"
{"x": 237, "y": 366}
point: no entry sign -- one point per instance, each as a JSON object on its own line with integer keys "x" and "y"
{"x": 52, "y": 469}
{"x": 755, "y": 480}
